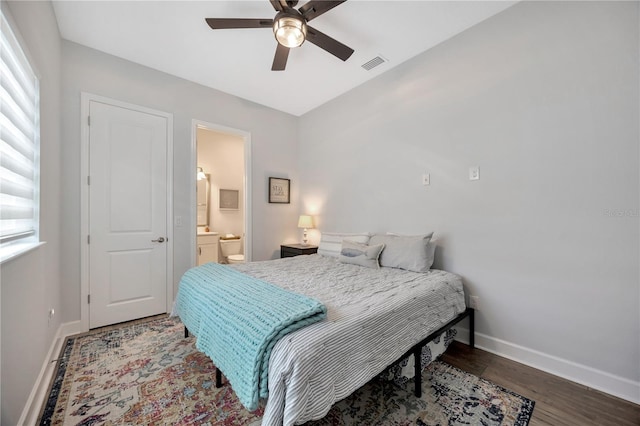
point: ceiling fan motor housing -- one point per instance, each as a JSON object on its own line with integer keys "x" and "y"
{"x": 290, "y": 28}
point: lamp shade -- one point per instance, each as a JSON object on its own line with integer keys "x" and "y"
{"x": 305, "y": 221}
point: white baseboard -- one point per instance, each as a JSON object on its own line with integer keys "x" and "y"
{"x": 601, "y": 380}
{"x": 31, "y": 411}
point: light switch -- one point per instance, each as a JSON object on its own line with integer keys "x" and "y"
{"x": 425, "y": 179}
{"x": 474, "y": 172}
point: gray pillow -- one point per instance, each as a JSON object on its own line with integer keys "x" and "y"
{"x": 412, "y": 253}
{"x": 360, "y": 254}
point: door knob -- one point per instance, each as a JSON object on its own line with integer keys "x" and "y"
{"x": 159, "y": 240}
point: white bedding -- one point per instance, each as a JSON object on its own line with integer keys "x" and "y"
{"x": 373, "y": 317}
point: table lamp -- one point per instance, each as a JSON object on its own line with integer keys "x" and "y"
{"x": 305, "y": 222}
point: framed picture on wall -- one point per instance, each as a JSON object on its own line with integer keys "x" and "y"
{"x": 229, "y": 199}
{"x": 279, "y": 190}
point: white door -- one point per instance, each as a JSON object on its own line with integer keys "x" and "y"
{"x": 128, "y": 208}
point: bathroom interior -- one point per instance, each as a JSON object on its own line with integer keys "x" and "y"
{"x": 220, "y": 198}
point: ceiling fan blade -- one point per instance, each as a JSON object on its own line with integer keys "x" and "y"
{"x": 280, "y": 60}
{"x": 329, "y": 44}
{"x": 276, "y": 5}
{"x": 315, "y": 8}
{"x": 228, "y": 23}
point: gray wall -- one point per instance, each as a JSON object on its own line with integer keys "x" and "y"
{"x": 49, "y": 277}
{"x": 273, "y": 141}
{"x": 31, "y": 283}
{"x": 544, "y": 98}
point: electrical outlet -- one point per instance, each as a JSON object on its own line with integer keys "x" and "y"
{"x": 474, "y": 302}
{"x": 425, "y": 179}
{"x": 474, "y": 173}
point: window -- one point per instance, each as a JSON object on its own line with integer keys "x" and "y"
{"x": 19, "y": 147}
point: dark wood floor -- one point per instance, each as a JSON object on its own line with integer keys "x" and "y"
{"x": 558, "y": 401}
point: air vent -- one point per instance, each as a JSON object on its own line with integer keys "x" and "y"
{"x": 373, "y": 63}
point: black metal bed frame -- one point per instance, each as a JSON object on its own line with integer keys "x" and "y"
{"x": 218, "y": 372}
{"x": 416, "y": 350}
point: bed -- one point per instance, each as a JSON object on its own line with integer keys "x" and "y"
{"x": 375, "y": 317}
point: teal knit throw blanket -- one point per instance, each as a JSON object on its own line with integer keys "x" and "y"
{"x": 237, "y": 319}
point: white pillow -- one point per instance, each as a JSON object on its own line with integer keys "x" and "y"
{"x": 410, "y": 252}
{"x": 331, "y": 242}
{"x": 360, "y": 254}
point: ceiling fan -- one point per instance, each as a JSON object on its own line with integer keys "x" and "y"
{"x": 290, "y": 28}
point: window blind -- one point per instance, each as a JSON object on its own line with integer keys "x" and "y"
{"x": 19, "y": 140}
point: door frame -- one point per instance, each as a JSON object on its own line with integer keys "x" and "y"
{"x": 85, "y": 99}
{"x": 248, "y": 214}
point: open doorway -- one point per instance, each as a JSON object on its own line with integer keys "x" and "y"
{"x": 221, "y": 198}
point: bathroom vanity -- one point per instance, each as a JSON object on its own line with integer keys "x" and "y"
{"x": 207, "y": 250}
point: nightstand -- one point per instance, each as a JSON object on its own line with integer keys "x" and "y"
{"x": 290, "y": 250}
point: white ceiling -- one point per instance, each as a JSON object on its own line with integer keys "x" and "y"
{"x": 172, "y": 36}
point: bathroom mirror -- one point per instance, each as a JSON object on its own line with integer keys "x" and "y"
{"x": 202, "y": 197}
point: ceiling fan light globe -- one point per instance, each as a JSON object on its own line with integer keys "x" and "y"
{"x": 290, "y": 31}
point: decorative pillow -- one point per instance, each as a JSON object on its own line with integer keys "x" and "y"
{"x": 410, "y": 252}
{"x": 331, "y": 242}
{"x": 360, "y": 254}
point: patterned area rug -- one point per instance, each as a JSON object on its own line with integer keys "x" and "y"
{"x": 148, "y": 373}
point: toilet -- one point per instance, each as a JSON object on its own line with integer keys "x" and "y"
{"x": 230, "y": 249}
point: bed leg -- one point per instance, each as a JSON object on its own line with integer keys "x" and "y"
{"x": 218, "y": 378}
{"x": 472, "y": 329}
{"x": 186, "y": 332}
{"x": 417, "y": 364}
